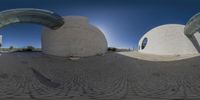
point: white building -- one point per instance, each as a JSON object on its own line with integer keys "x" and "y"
{"x": 169, "y": 39}
{"x": 75, "y": 38}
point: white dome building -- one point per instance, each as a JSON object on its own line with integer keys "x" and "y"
{"x": 169, "y": 39}
{"x": 75, "y": 38}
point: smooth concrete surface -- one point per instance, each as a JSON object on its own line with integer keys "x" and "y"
{"x": 75, "y": 38}
{"x": 193, "y": 25}
{"x": 170, "y": 39}
{"x": 31, "y": 15}
{"x": 36, "y": 76}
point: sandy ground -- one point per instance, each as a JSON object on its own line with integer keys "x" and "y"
{"x": 113, "y": 76}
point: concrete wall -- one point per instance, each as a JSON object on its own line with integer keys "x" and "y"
{"x": 75, "y": 38}
{"x": 169, "y": 40}
{"x": 1, "y": 40}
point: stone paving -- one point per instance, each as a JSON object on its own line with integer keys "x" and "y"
{"x": 33, "y": 75}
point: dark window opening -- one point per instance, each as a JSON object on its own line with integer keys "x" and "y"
{"x": 144, "y": 43}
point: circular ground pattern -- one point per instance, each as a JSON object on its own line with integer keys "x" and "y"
{"x": 33, "y": 75}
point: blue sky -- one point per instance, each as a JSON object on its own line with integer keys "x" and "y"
{"x": 123, "y": 21}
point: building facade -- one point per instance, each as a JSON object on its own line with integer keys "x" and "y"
{"x": 169, "y": 39}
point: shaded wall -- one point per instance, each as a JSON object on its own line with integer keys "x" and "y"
{"x": 75, "y": 38}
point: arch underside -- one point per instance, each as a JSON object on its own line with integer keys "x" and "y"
{"x": 192, "y": 26}
{"x": 31, "y": 15}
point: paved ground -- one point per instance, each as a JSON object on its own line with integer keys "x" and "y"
{"x": 29, "y": 76}
{"x": 150, "y": 57}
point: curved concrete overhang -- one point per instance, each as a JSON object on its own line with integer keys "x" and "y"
{"x": 31, "y": 15}
{"x": 192, "y": 26}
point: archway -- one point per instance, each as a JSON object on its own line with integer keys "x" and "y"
{"x": 192, "y": 26}
{"x": 31, "y": 15}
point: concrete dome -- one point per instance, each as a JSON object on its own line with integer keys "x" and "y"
{"x": 168, "y": 40}
{"x": 75, "y": 38}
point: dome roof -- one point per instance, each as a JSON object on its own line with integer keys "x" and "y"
{"x": 75, "y": 38}
{"x": 168, "y": 39}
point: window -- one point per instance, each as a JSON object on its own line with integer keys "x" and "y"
{"x": 144, "y": 43}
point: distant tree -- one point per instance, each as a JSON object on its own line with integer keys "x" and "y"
{"x": 30, "y": 48}
{"x": 11, "y": 47}
{"x": 112, "y": 49}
